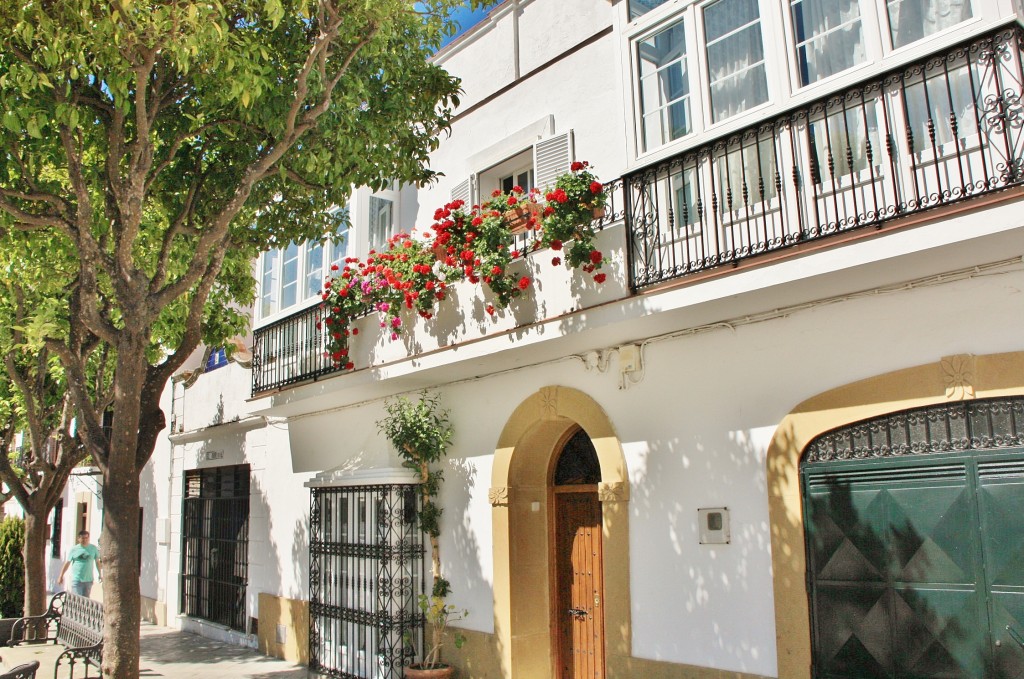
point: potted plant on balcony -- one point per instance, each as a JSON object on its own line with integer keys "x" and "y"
{"x": 576, "y": 200}
{"x": 420, "y": 431}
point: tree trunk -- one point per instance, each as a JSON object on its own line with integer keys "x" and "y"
{"x": 120, "y": 541}
{"x": 35, "y": 561}
{"x": 120, "y": 564}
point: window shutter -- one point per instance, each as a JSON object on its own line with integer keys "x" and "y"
{"x": 551, "y": 157}
{"x": 462, "y": 191}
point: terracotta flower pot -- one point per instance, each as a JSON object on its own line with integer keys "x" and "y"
{"x": 415, "y": 672}
{"x": 598, "y": 212}
{"x": 519, "y": 216}
{"x": 440, "y": 252}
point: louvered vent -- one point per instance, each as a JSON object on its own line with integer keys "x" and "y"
{"x": 462, "y": 191}
{"x": 552, "y": 157}
{"x": 1000, "y": 469}
{"x": 863, "y": 476}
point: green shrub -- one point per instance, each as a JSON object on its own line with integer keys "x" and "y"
{"x": 12, "y": 567}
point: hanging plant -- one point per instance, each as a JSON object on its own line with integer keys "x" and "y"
{"x": 572, "y": 205}
{"x": 471, "y": 243}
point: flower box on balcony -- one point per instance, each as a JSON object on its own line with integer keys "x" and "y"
{"x": 519, "y": 217}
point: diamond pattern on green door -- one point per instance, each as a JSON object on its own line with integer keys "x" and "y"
{"x": 1001, "y": 505}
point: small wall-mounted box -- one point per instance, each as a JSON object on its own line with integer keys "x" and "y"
{"x": 713, "y": 523}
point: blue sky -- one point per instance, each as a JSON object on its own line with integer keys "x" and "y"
{"x": 467, "y": 18}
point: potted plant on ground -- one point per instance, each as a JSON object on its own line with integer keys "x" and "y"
{"x": 421, "y": 432}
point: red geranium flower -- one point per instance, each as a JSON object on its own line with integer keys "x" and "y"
{"x": 556, "y": 244}
{"x": 596, "y": 257}
{"x": 595, "y": 187}
{"x": 524, "y": 283}
{"x": 576, "y": 166}
{"x": 556, "y": 261}
{"x": 599, "y": 278}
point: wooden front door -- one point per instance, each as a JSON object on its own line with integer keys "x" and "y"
{"x": 579, "y": 605}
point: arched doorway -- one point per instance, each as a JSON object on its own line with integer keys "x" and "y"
{"x": 577, "y": 554}
{"x": 963, "y": 377}
{"x": 914, "y": 543}
{"x": 523, "y": 521}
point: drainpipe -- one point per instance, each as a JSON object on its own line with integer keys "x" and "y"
{"x": 515, "y": 38}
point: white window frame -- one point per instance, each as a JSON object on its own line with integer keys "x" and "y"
{"x": 766, "y": 60}
{"x": 785, "y": 87}
{"x": 277, "y": 276}
{"x": 868, "y": 28}
{"x": 389, "y": 194}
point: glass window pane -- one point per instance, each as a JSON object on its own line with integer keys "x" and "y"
{"x": 290, "y": 276}
{"x": 382, "y": 219}
{"x": 268, "y": 284}
{"x": 735, "y": 52}
{"x": 911, "y": 20}
{"x": 314, "y": 269}
{"x": 664, "y": 86}
{"x": 725, "y": 16}
{"x": 829, "y": 38}
{"x": 339, "y": 241}
{"x": 641, "y": 7}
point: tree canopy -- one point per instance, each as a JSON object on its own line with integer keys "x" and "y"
{"x": 152, "y": 148}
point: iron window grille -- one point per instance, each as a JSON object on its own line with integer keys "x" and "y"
{"x": 365, "y": 576}
{"x": 215, "y": 544}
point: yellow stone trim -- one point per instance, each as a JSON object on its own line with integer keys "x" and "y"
{"x": 966, "y": 377}
{"x": 523, "y": 462}
{"x": 293, "y": 616}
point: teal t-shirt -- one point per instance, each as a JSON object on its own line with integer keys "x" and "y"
{"x": 82, "y": 561}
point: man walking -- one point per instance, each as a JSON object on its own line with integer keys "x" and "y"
{"x": 81, "y": 559}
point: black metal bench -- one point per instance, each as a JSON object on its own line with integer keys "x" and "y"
{"x": 25, "y": 671}
{"x": 36, "y": 629}
{"x": 75, "y": 622}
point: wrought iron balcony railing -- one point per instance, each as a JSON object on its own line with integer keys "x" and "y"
{"x": 942, "y": 130}
{"x": 293, "y": 349}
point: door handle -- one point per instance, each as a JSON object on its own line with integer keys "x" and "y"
{"x": 577, "y": 612}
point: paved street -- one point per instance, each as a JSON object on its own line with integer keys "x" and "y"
{"x": 174, "y": 655}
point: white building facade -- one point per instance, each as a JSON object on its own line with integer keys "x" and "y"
{"x": 787, "y": 430}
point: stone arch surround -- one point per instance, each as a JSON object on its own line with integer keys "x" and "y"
{"x": 952, "y": 378}
{"x": 521, "y": 504}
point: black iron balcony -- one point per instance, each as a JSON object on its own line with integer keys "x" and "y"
{"x": 293, "y": 349}
{"x": 936, "y": 132}
{"x": 290, "y": 350}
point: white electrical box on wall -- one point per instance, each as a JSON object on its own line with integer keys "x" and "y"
{"x": 713, "y": 525}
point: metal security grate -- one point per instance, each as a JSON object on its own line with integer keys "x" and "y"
{"x": 215, "y": 544}
{"x": 365, "y": 574}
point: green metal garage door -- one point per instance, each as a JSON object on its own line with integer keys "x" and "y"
{"x": 915, "y": 544}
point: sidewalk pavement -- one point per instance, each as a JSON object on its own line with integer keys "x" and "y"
{"x": 172, "y": 654}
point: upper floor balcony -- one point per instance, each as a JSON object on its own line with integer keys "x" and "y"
{"x": 943, "y": 130}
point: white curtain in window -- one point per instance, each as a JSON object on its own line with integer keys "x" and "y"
{"x": 828, "y": 36}
{"x": 845, "y": 137}
{"x": 736, "y": 68}
{"x": 911, "y": 20}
